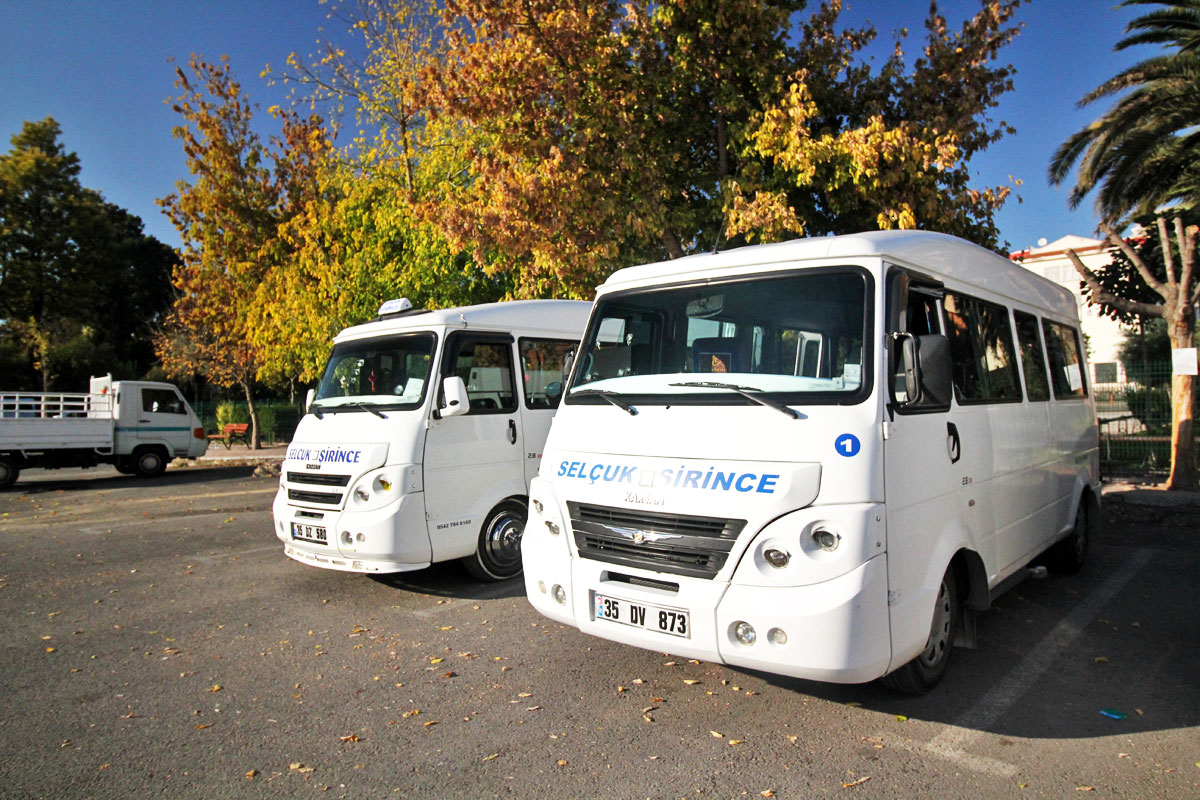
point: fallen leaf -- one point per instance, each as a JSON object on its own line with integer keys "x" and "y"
{"x": 203, "y": 726}
{"x": 412, "y": 713}
{"x": 858, "y": 782}
{"x": 717, "y": 734}
{"x": 250, "y": 774}
{"x": 562, "y": 762}
{"x": 216, "y": 687}
{"x": 901, "y": 718}
{"x": 669, "y": 664}
{"x": 767, "y": 793}
{"x": 648, "y": 709}
{"x": 648, "y": 718}
{"x": 657, "y": 700}
{"x": 638, "y": 681}
{"x": 525, "y": 694}
{"x": 735, "y": 741}
{"x": 427, "y": 724}
{"x": 296, "y": 766}
{"x": 690, "y": 682}
{"x": 1100, "y": 660}
{"x": 436, "y": 660}
{"x": 351, "y": 738}
{"x": 1085, "y": 788}
{"x": 447, "y": 628}
{"x": 493, "y": 755}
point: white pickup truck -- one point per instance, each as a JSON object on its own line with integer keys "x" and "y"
{"x": 137, "y": 426}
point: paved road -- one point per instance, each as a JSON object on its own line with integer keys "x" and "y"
{"x": 157, "y": 641}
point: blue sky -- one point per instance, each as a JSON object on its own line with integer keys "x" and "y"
{"x": 103, "y": 70}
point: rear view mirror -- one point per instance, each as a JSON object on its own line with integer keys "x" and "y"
{"x": 456, "y": 403}
{"x": 308, "y": 399}
{"x": 921, "y": 372}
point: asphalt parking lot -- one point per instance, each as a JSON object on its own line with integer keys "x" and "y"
{"x": 157, "y": 641}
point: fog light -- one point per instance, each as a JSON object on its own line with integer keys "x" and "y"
{"x": 559, "y": 594}
{"x": 825, "y": 539}
{"x": 537, "y": 505}
{"x": 385, "y": 484}
{"x": 361, "y": 538}
{"x": 361, "y": 494}
{"x": 777, "y": 636}
{"x": 776, "y": 558}
{"x": 552, "y": 527}
{"x": 346, "y": 537}
{"x": 744, "y": 633}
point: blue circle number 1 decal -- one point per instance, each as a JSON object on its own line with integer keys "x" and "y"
{"x": 847, "y": 445}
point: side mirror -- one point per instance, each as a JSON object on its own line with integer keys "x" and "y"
{"x": 454, "y": 390}
{"x": 567, "y": 363}
{"x": 308, "y": 399}
{"x": 922, "y": 372}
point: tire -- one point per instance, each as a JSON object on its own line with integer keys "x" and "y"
{"x": 149, "y": 462}
{"x": 497, "y": 556}
{"x": 929, "y": 667}
{"x": 1067, "y": 556}
{"x": 9, "y": 472}
{"x": 125, "y": 466}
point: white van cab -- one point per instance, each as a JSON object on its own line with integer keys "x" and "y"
{"x": 815, "y": 458}
{"x": 420, "y": 441}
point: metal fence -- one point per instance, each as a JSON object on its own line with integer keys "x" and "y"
{"x": 1135, "y": 422}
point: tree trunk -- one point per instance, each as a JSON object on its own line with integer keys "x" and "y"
{"x": 255, "y": 441}
{"x": 1183, "y": 399}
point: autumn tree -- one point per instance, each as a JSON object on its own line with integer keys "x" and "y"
{"x": 81, "y": 285}
{"x": 358, "y": 237}
{"x": 1164, "y": 266}
{"x": 229, "y": 219}
{"x": 599, "y": 134}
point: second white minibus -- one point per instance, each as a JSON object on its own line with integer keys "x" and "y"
{"x": 422, "y": 437}
{"x": 816, "y": 458}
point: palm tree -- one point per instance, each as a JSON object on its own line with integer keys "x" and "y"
{"x": 1144, "y": 152}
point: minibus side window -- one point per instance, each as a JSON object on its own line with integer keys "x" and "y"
{"x": 542, "y": 370}
{"x": 1033, "y": 363}
{"x": 486, "y": 369}
{"x": 1066, "y": 366}
{"x": 981, "y": 349}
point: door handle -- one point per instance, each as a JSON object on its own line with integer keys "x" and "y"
{"x": 512, "y": 431}
{"x": 953, "y": 443}
{"x": 143, "y": 420}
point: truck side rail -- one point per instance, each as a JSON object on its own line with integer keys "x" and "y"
{"x": 39, "y": 405}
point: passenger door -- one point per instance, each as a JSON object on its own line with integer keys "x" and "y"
{"x": 542, "y": 379}
{"x": 475, "y": 460}
{"x": 923, "y": 469}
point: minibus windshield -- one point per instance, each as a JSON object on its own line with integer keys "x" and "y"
{"x": 371, "y": 375}
{"x": 787, "y": 337}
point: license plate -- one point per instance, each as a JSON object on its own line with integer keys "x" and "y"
{"x": 672, "y": 621}
{"x": 309, "y": 533}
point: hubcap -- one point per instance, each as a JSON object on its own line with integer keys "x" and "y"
{"x": 939, "y": 634}
{"x": 504, "y": 540}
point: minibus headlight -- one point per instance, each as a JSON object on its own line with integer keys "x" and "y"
{"x": 744, "y": 632}
{"x": 361, "y": 494}
{"x": 776, "y": 558}
{"x": 826, "y": 539}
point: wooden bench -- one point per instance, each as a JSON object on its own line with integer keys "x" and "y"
{"x": 233, "y": 432}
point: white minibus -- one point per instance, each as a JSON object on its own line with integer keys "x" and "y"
{"x": 420, "y": 441}
{"x": 816, "y": 458}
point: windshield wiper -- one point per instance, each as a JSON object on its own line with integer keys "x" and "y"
{"x": 611, "y": 397}
{"x": 749, "y": 392}
{"x": 365, "y": 407}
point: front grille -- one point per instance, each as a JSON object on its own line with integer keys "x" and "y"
{"x": 302, "y": 496}
{"x": 317, "y": 479}
{"x": 679, "y": 544}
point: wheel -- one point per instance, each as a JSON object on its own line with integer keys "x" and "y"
{"x": 149, "y": 462}
{"x": 1067, "y": 556}
{"x": 927, "y": 669}
{"x": 9, "y": 471}
{"x": 125, "y": 466}
{"x": 497, "y": 557}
